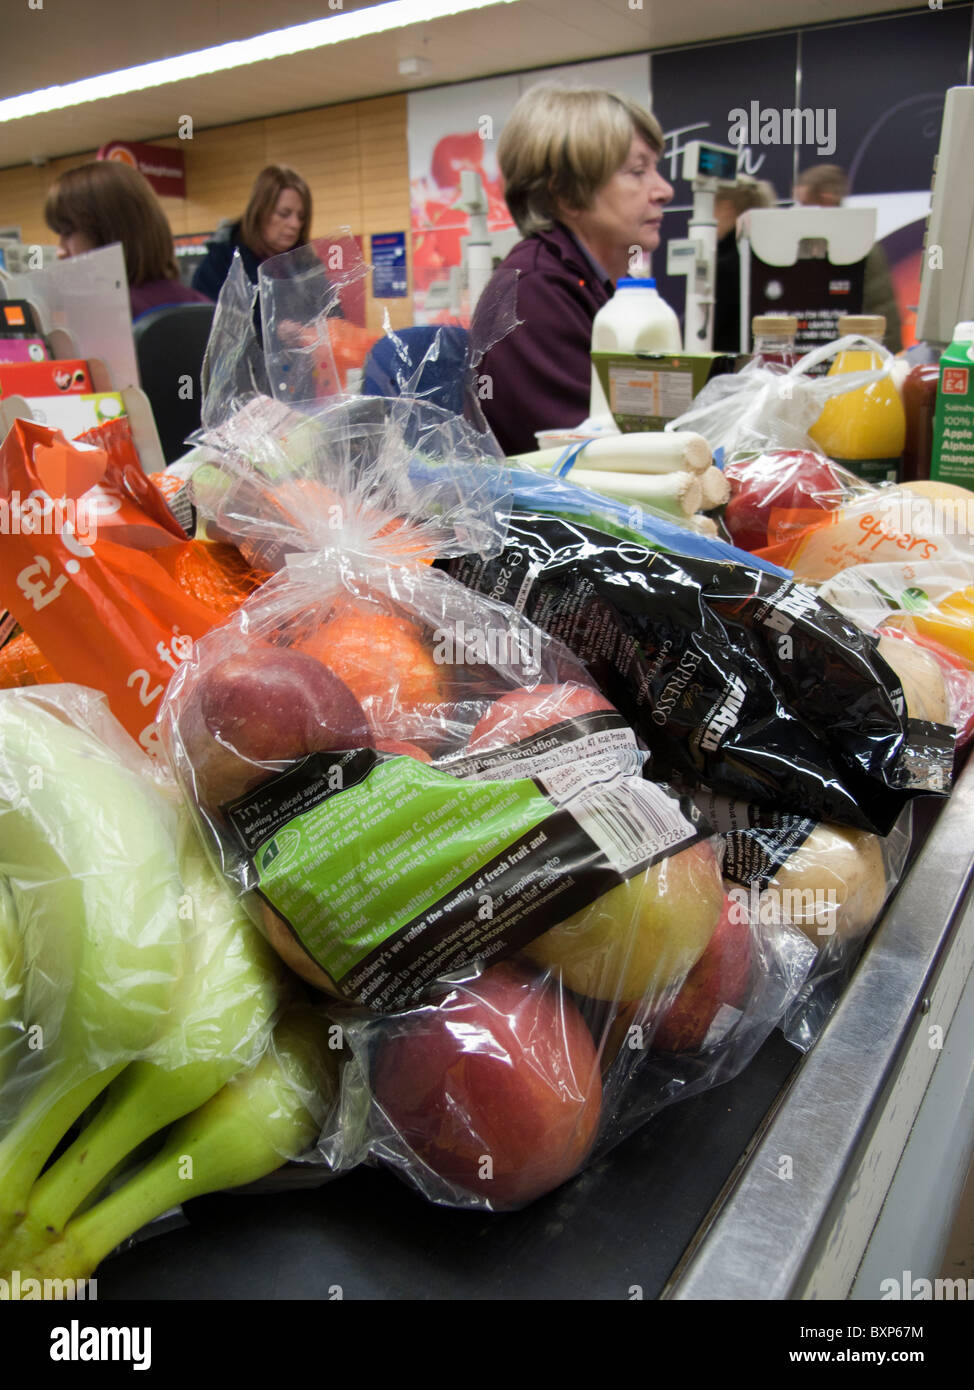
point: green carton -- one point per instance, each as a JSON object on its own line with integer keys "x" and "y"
{"x": 952, "y": 460}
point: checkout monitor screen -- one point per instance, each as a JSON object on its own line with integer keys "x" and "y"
{"x": 713, "y": 162}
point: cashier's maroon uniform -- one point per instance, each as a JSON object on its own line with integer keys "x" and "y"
{"x": 161, "y": 294}
{"x": 541, "y": 373}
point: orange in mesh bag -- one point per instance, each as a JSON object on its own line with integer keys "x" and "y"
{"x": 99, "y": 573}
{"x": 23, "y": 663}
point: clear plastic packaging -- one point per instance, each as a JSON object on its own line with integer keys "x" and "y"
{"x": 96, "y": 945}
{"x": 923, "y": 617}
{"x": 245, "y": 1128}
{"x": 560, "y": 497}
{"x": 763, "y": 407}
{"x": 129, "y": 976}
{"x": 854, "y": 878}
{"x": 735, "y": 678}
{"x": 299, "y": 292}
{"x": 777, "y": 492}
{"x": 367, "y": 748}
{"x": 393, "y": 475}
{"x": 233, "y": 365}
{"x": 273, "y": 339}
{"x": 486, "y": 1096}
{"x": 881, "y": 526}
{"x": 415, "y": 792}
{"x": 277, "y": 340}
{"x": 507, "y": 1083}
{"x": 829, "y": 882}
{"x": 739, "y": 990}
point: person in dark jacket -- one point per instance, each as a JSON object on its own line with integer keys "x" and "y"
{"x": 277, "y": 218}
{"x": 730, "y": 201}
{"x": 582, "y": 184}
{"x": 826, "y": 186}
{"x": 105, "y": 201}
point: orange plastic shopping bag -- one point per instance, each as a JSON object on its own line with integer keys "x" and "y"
{"x": 90, "y": 565}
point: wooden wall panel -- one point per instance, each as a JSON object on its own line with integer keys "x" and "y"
{"x": 384, "y": 179}
{"x": 353, "y": 157}
{"x": 220, "y": 168}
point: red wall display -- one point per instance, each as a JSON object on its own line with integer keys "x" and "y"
{"x": 164, "y": 169}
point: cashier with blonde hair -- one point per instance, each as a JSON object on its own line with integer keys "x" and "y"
{"x": 582, "y": 183}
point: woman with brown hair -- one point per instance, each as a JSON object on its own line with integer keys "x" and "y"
{"x": 277, "y": 218}
{"x": 100, "y": 203}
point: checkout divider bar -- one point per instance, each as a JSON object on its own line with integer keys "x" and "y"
{"x": 765, "y": 1239}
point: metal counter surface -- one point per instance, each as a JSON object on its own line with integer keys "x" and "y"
{"x": 799, "y": 1220}
{"x": 615, "y": 1232}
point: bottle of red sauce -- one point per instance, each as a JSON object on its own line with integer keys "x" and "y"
{"x": 919, "y": 404}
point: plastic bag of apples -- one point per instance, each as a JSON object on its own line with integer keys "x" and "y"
{"x": 506, "y": 1080}
{"x": 440, "y": 823}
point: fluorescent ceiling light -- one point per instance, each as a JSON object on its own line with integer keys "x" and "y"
{"x": 279, "y": 43}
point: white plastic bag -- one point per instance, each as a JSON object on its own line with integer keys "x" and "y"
{"x": 761, "y": 405}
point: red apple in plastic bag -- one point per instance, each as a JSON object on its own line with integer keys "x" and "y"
{"x": 496, "y": 1087}
{"x": 524, "y": 712}
{"x": 268, "y": 704}
{"x": 778, "y": 480}
{"x": 720, "y": 977}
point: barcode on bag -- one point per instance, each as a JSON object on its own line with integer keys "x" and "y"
{"x": 633, "y": 823}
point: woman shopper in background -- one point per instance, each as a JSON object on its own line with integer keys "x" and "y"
{"x": 105, "y": 202}
{"x": 277, "y": 218}
{"x": 581, "y": 181}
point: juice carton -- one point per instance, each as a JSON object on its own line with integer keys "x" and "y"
{"x": 953, "y": 421}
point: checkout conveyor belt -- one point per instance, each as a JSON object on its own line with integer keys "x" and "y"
{"x": 697, "y": 1204}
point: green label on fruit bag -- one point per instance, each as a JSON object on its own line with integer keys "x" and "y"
{"x": 391, "y": 872}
